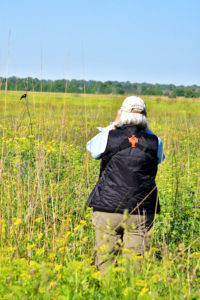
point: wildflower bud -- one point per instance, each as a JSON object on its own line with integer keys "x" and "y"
{"x": 32, "y": 271}
{"x": 8, "y": 278}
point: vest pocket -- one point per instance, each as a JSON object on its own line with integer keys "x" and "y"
{"x": 116, "y": 197}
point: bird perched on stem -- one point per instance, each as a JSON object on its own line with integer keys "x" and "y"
{"x": 23, "y": 96}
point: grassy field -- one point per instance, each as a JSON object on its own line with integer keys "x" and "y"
{"x": 46, "y": 175}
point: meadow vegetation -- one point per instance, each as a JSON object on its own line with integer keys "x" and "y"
{"x": 46, "y": 236}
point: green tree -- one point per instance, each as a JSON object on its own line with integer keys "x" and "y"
{"x": 189, "y": 94}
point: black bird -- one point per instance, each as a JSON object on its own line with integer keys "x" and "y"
{"x": 23, "y": 96}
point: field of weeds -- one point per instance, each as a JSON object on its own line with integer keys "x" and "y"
{"x": 46, "y": 175}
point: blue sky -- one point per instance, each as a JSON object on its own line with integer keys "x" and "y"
{"x": 152, "y": 41}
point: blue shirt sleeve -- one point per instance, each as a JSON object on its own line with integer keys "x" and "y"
{"x": 97, "y": 145}
{"x": 160, "y": 154}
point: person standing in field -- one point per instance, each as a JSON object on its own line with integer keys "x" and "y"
{"x": 125, "y": 198}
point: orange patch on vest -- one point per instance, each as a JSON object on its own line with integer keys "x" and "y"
{"x": 133, "y": 140}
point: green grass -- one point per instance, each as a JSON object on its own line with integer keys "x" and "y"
{"x": 46, "y": 235}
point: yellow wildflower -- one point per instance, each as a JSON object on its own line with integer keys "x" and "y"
{"x": 137, "y": 257}
{"x": 104, "y": 248}
{"x": 38, "y": 220}
{"x": 40, "y": 251}
{"x": 51, "y": 256}
{"x": 196, "y": 253}
{"x": 53, "y": 284}
{"x": 10, "y": 249}
{"x": 28, "y": 247}
{"x": 18, "y": 222}
{"x": 67, "y": 234}
{"x": 77, "y": 227}
{"x": 118, "y": 269}
{"x": 62, "y": 249}
{"x": 127, "y": 250}
{"x": 58, "y": 267}
{"x": 125, "y": 292}
{"x": 83, "y": 222}
{"x": 40, "y": 235}
{"x": 89, "y": 260}
{"x": 96, "y": 275}
{"x": 143, "y": 291}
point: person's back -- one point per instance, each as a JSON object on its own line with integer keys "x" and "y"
{"x": 128, "y": 171}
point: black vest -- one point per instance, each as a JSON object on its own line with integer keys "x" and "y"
{"x": 127, "y": 174}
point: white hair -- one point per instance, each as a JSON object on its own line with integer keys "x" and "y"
{"x": 133, "y": 118}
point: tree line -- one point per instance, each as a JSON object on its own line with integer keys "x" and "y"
{"x": 97, "y": 87}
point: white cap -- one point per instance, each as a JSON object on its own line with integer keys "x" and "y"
{"x": 133, "y": 103}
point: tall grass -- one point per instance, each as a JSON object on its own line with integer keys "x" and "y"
{"x": 46, "y": 235}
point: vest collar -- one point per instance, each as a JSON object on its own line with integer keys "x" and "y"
{"x": 132, "y": 129}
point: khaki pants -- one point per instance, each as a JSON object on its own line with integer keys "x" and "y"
{"x": 114, "y": 230}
